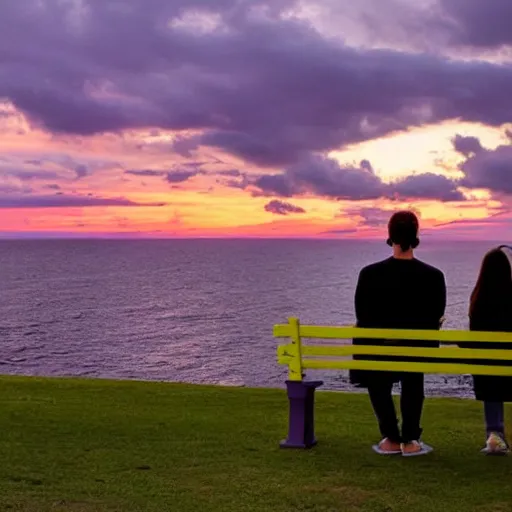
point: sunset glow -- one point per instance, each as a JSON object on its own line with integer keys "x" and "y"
{"x": 254, "y": 118}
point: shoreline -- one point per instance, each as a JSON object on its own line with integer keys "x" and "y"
{"x": 466, "y": 393}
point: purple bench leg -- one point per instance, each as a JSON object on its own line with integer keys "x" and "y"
{"x": 301, "y": 420}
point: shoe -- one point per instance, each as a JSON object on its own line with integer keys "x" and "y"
{"x": 415, "y": 448}
{"x": 495, "y": 445}
{"x": 387, "y": 447}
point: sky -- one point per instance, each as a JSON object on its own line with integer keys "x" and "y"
{"x": 255, "y": 118}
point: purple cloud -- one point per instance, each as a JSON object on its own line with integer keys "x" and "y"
{"x": 492, "y": 219}
{"x": 341, "y": 231}
{"x": 325, "y": 177}
{"x": 81, "y": 167}
{"x": 466, "y": 145}
{"x": 427, "y": 186}
{"x": 274, "y": 185}
{"x": 10, "y": 188}
{"x": 241, "y": 182}
{"x": 370, "y": 217}
{"x": 81, "y": 171}
{"x": 43, "y": 168}
{"x": 282, "y": 208}
{"x": 65, "y": 201}
{"x": 477, "y": 23}
{"x": 180, "y": 176}
{"x": 266, "y": 88}
{"x": 438, "y": 26}
{"x": 321, "y": 176}
{"x": 235, "y": 173}
{"x": 489, "y": 169}
{"x": 31, "y": 175}
{"x": 145, "y": 172}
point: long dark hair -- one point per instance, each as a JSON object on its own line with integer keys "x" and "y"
{"x": 493, "y": 289}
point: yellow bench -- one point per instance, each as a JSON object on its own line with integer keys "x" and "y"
{"x": 314, "y": 356}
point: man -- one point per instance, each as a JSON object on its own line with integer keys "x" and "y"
{"x": 400, "y": 292}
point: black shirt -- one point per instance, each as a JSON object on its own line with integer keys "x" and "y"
{"x": 400, "y": 294}
{"x": 397, "y": 294}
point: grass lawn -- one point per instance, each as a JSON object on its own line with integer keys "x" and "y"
{"x": 87, "y": 445}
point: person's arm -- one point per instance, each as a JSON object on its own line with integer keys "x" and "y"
{"x": 442, "y": 299}
{"x": 363, "y": 308}
{"x": 362, "y": 298}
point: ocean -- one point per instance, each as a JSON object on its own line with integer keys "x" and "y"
{"x": 198, "y": 311}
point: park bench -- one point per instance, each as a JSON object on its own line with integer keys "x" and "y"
{"x": 299, "y": 356}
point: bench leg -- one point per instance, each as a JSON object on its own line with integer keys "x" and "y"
{"x": 301, "y": 420}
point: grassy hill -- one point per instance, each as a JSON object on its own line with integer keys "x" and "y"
{"x": 94, "y": 445}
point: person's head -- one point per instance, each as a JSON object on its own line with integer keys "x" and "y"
{"x": 403, "y": 232}
{"x": 494, "y": 284}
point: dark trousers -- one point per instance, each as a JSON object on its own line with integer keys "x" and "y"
{"x": 494, "y": 417}
{"x": 412, "y": 396}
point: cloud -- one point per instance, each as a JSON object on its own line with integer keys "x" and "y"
{"x": 81, "y": 171}
{"x": 466, "y": 145}
{"x": 325, "y": 177}
{"x": 180, "y": 176}
{"x": 144, "y": 172}
{"x": 237, "y": 179}
{"x": 282, "y": 208}
{"x": 235, "y": 173}
{"x": 43, "y": 168}
{"x": 476, "y": 23}
{"x": 484, "y": 168}
{"x": 45, "y": 162}
{"x": 31, "y": 175}
{"x": 436, "y": 26}
{"x": 7, "y": 188}
{"x": 65, "y": 201}
{"x": 489, "y": 169}
{"x": 317, "y": 175}
{"x": 233, "y": 75}
{"x": 427, "y": 186}
{"x": 486, "y": 220}
{"x": 369, "y": 217}
{"x": 340, "y": 231}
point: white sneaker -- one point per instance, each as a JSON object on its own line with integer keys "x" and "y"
{"x": 495, "y": 445}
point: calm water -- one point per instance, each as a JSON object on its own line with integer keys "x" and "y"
{"x": 191, "y": 310}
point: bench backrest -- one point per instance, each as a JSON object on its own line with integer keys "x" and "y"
{"x": 299, "y": 357}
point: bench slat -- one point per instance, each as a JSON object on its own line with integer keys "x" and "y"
{"x": 448, "y": 368}
{"x": 437, "y": 353}
{"x": 449, "y": 336}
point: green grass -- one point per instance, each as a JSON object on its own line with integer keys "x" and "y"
{"x": 83, "y": 446}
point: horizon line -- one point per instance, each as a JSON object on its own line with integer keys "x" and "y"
{"x": 115, "y": 237}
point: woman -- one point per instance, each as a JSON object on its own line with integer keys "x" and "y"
{"x": 491, "y": 310}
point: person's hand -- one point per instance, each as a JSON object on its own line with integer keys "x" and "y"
{"x": 441, "y": 321}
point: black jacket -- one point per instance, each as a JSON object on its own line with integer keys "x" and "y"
{"x": 397, "y": 294}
